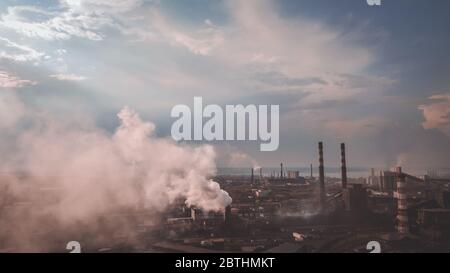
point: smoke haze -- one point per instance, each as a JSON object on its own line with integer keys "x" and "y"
{"x": 66, "y": 177}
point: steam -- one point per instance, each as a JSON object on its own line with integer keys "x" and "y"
{"x": 63, "y": 175}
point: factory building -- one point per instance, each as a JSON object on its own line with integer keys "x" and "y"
{"x": 373, "y": 180}
{"x": 289, "y": 177}
{"x": 355, "y": 198}
{"x": 387, "y": 181}
{"x": 354, "y": 195}
{"x": 435, "y": 223}
{"x": 211, "y": 218}
{"x": 314, "y": 213}
{"x": 293, "y": 174}
{"x": 446, "y": 199}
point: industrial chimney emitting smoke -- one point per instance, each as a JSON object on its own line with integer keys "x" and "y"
{"x": 343, "y": 167}
{"x": 321, "y": 176}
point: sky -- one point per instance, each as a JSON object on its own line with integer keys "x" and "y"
{"x": 376, "y": 78}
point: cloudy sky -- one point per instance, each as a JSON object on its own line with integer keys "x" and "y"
{"x": 377, "y": 78}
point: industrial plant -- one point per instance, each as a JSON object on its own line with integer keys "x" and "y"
{"x": 277, "y": 212}
{"x": 288, "y": 213}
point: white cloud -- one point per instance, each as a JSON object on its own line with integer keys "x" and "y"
{"x": 258, "y": 40}
{"x": 115, "y": 6}
{"x": 68, "y": 77}
{"x": 20, "y": 53}
{"x": 355, "y": 127}
{"x": 436, "y": 113}
{"x": 10, "y": 81}
{"x": 58, "y": 25}
{"x": 200, "y": 42}
{"x": 262, "y": 41}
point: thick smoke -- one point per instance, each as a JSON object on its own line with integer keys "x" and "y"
{"x": 63, "y": 175}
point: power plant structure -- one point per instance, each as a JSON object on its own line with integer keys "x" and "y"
{"x": 281, "y": 170}
{"x": 333, "y": 213}
{"x": 322, "y": 193}
{"x": 253, "y": 176}
{"x": 343, "y": 167}
{"x": 402, "y": 203}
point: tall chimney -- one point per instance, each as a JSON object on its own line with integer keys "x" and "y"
{"x": 260, "y": 172}
{"x": 311, "y": 171}
{"x": 402, "y": 203}
{"x": 343, "y": 167}
{"x": 381, "y": 181}
{"x": 253, "y": 177}
{"x": 321, "y": 176}
{"x": 281, "y": 173}
{"x": 227, "y": 215}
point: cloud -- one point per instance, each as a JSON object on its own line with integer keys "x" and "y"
{"x": 267, "y": 52}
{"x": 68, "y": 77}
{"x": 321, "y": 75}
{"x": 116, "y": 6}
{"x": 297, "y": 47}
{"x": 436, "y": 113}
{"x": 355, "y": 127}
{"x": 10, "y": 81}
{"x": 200, "y": 42}
{"x": 19, "y": 53}
{"x": 54, "y": 25}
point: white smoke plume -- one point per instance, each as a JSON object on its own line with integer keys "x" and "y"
{"x": 64, "y": 175}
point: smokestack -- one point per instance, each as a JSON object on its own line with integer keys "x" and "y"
{"x": 227, "y": 215}
{"x": 311, "y": 171}
{"x": 381, "y": 181}
{"x": 321, "y": 176}
{"x": 402, "y": 203}
{"x": 281, "y": 173}
{"x": 253, "y": 177}
{"x": 260, "y": 172}
{"x": 343, "y": 167}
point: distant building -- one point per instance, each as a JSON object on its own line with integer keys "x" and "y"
{"x": 435, "y": 223}
{"x": 355, "y": 198}
{"x": 373, "y": 180}
{"x": 293, "y": 174}
{"x": 292, "y": 177}
{"x": 387, "y": 181}
{"x": 211, "y": 218}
